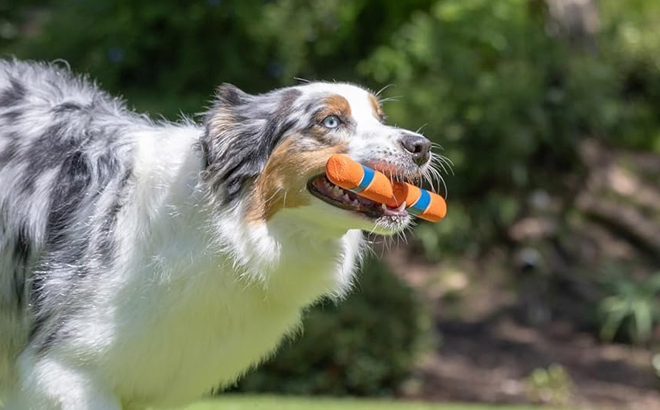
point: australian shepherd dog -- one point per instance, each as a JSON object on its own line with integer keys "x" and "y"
{"x": 144, "y": 263}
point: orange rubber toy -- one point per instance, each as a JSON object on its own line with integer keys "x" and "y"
{"x": 342, "y": 171}
{"x": 420, "y": 202}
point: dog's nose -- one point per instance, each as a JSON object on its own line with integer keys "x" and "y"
{"x": 418, "y": 146}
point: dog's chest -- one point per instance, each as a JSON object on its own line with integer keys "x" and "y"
{"x": 184, "y": 337}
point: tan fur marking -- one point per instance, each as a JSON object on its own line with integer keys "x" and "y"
{"x": 335, "y": 105}
{"x": 283, "y": 182}
{"x": 375, "y": 106}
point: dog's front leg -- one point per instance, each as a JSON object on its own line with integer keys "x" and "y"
{"x": 47, "y": 383}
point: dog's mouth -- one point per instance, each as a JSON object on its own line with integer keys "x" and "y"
{"x": 322, "y": 188}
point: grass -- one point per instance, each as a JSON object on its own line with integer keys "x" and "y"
{"x": 235, "y": 402}
{"x": 244, "y": 402}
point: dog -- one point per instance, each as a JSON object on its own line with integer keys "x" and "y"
{"x": 144, "y": 263}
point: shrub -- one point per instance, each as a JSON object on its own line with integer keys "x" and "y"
{"x": 552, "y": 385}
{"x": 630, "y": 309}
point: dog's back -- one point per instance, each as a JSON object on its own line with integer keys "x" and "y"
{"x": 59, "y": 167}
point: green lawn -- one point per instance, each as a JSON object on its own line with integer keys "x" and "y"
{"x": 233, "y": 402}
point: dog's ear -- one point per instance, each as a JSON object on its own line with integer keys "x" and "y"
{"x": 241, "y": 132}
{"x": 230, "y": 95}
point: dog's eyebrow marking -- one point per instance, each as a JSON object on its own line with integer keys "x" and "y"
{"x": 334, "y": 105}
{"x": 376, "y": 108}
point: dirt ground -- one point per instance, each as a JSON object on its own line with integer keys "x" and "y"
{"x": 509, "y": 313}
{"x": 490, "y": 362}
{"x": 484, "y": 353}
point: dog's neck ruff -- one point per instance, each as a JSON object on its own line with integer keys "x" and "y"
{"x": 260, "y": 252}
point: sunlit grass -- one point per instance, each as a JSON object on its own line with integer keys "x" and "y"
{"x": 245, "y": 402}
{"x": 235, "y": 402}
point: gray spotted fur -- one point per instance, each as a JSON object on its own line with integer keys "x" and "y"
{"x": 65, "y": 168}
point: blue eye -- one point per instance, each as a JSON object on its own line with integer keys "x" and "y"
{"x": 331, "y": 121}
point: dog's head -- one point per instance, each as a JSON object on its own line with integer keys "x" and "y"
{"x": 269, "y": 152}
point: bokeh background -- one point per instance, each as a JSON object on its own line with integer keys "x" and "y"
{"x": 541, "y": 286}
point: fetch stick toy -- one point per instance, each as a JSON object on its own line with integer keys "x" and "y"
{"x": 342, "y": 171}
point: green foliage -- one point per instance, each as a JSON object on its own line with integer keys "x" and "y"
{"x": 631, "y": 45}
{"x": 366, "y": 345}
{"x": 162, "y": 50}
{"x": 509, "y": 102}
{"x": 248, "y": 402}
{"x": 631, "y": 307}
{"x": 512, "y": 104}
{"x": 552, "y": 385}
{"x": 325, "y": 40}
{"x": 172, "y": 48}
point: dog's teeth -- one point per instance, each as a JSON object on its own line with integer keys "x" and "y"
{"x": 384, "y": 207}
{"x": 347, "y": 198}
{"x": 401, "y": 207}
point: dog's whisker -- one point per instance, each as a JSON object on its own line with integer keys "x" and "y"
{"x": 383, "y": 89}
{"x": 443, "y": 162}
{"x": 419, "y": 130}
{"x": 390, "y": 99}
{"x": 429, "y": 180}
{"x": 446, "y": 160}
{"x": 442, "y": 181}
{"x": 442, "y": 166}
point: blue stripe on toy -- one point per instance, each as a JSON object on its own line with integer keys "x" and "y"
{"x": 366, "y": 180}
{"x": 421, "y": 204}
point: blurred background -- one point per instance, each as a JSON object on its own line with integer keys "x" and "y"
{"x": 542, "y": 284}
